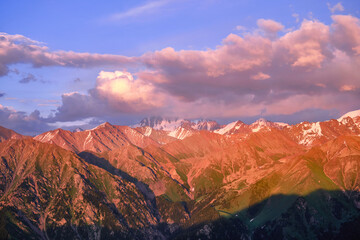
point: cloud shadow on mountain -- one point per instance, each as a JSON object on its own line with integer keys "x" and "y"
{"x": 324, "y": 215}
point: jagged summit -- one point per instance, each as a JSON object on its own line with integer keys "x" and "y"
{"x": 171, "y": 124}
{"x": 140, "y": 178}
{"x": 9, "y": 134}
{"x": 160, "y": 123}
{"x": 77, "y": 130}
{"x": 352, "y": 114}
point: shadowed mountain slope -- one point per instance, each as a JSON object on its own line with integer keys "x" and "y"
{"x": 260, "y": 181}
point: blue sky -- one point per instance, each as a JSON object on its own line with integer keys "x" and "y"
{"x": 135, "y": 28}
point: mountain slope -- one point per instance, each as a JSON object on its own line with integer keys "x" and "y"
{"x": 265, "y": 180}
{"x": 314, "y": 195}
{"x": 102, "y": 138}
{"x": 48, "y": 192}
{"x": 6, "y": 134}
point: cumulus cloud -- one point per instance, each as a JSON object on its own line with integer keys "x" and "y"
{"x": 270, "y": 27}
{"x": 121, "y": 90}
{"x": 189, "y": 75}
{"x": 77, "y": 106}
{"x": 27, "y": 124}
{"x": 114, "y": 93}
{"x": 314, "y": 66}
{"x": 346, "y": 33}
{"x": 20, "y": 49}
{"x": 310, "y": 67}
{"x": 306, "y": 47}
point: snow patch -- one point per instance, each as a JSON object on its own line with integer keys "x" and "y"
{"x": 352, "y": 114}
{"x": 47, "y": 137}
{"x": 310, "y": 132}
{"x": 227, "y": 128}
{"x": 88, "y": 139}
{"x": 180, "y": 133}
{"x": 148, "y": 131}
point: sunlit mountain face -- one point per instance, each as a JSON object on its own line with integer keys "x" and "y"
{"x": 182, "y": 179}
{"x": 171, "y": 119}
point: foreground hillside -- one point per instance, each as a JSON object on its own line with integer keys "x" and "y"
{"x": 184, "y": 180}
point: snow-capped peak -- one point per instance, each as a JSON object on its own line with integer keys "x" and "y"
{"x": 181, "y": 133}
{"x": 230, "y": 128}
{"x": 260, "y": 124}
{"x": 205, "y": 125}
{"x": 169, "y": 125}
{"x": 103, "y": 125}
{"x": 352, "y": 114}
{"x": 160, "y": 123}
{"x": 77, "y": 130}
{"x": 310, "y": 131}
{"x": 263, "y": 123}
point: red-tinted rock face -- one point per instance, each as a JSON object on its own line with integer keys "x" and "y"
{"x": 134, "y": 180}
{"x": 102, "y": 138}
{"x": 6, "y": 134}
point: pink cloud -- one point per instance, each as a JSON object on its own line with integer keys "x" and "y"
{"x": 306, "y": 47}
{"x": 260, "y": 76}
{"x": 346, "y": 33}
{"x": 314, "y": 66}
{"x": 270, "y": 27}
{"x": 20, "y": 49}
{"x": 119, "y": 88}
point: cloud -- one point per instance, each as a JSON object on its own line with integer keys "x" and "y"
{"x": 315, "y": 66}
{"x": 29, "y": 78}
{"x": 337, "y": 7}
{"x": 310, "y": 67}
{"x": 2, "y": 94}
{"x": 77, "y": 106}
{"x": 296, "y": 16}
{"x": 346, "y": 33}
{"x": 347, "y": 88}
{"x": 270, "y": 27}
{"x": 306, "y": 47}
{"x": 260, "y": 76}
{"x": 114, "y": 93}
{"x": 146, "y": 8}
{"x": 122, "y": 91}
{"x": 21, "y": 122}
{"x": 19, "y": 49}
{"x": 240, "y": 28}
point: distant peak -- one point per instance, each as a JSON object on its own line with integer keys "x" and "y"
{"x": 77, "y": 130}
{"x": 352, "y": 114}
{"x": 170, "y": 124}
{"x": 103, "y": 125}
{"x": 261, "y": 120}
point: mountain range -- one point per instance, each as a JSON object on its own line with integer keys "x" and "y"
{"x": 181, "y": 179}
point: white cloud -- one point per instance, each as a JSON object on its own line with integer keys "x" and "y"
{"x": 121, "y": 88}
